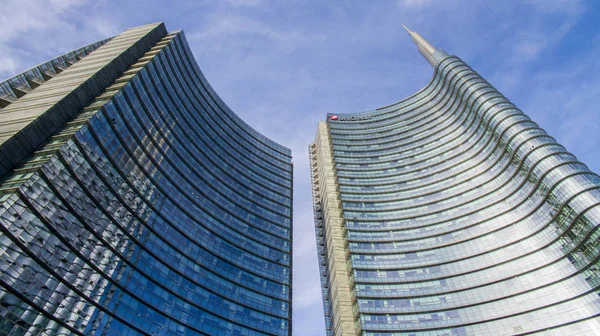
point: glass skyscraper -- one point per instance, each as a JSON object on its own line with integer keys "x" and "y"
{"x": 452, "y": 213}
{"x": 133, "y": 201}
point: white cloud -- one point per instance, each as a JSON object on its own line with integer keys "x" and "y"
{"x": 531, "y": 41}
{"x": 416, "y": 3}
{"x": 8, "y": 63}
{"x": 36, "y": 31}
{"x": 229, "y": 26}
{"x": 569, "y": 7}
{"x": 245, "y": 3}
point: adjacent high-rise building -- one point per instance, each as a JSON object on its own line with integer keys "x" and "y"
{"x": 452, "y": 213}
{"x": 133, "y": 201}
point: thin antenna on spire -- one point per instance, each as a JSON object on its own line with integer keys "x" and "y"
{"x": 425, "y": 48}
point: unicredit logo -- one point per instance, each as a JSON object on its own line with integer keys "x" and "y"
{"x": 334, "y": 117}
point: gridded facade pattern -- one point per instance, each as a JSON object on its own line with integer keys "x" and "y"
{"x": 460, "y": 216}
{"x": 21, "y": 84}
{"x": 154, "y": 210}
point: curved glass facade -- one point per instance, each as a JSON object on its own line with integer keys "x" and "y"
{"x": 156, "y": 211}
{"x": 452, "y": 213}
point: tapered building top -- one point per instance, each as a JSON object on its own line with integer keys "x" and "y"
{"x": 425, "y": 48}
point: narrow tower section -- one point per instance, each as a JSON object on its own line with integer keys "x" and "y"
{"x": 432, "y": 55}
{"x": 335, "y": 268}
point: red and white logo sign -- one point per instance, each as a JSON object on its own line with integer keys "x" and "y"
{"x": 334, "y": 117}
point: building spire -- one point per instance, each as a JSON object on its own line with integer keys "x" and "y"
{"x": 425, "y": 48}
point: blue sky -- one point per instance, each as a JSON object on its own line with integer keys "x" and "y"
{"x": 282, "y": 65}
